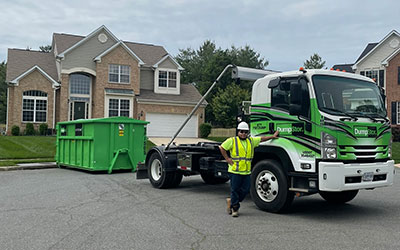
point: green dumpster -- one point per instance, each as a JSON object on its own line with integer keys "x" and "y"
{"x": 103, "y": 144}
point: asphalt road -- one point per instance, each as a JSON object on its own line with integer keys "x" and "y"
{"x": 70, "y": 209}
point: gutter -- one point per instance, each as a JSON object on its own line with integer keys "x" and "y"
{"x": 8, "y": 106}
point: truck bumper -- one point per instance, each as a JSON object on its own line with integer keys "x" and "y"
{"x": 337, "y": 176}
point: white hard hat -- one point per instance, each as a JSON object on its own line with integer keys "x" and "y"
{"x": 243, "y": 126}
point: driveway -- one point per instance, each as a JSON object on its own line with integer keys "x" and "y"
{"x": 70, "y": 209}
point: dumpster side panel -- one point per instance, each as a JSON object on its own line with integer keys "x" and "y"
{"x": 101, "y": 146}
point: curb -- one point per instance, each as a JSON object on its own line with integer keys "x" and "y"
{"x": 30, "y": 166}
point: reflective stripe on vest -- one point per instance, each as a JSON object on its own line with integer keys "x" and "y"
{"x": 242, "y": 164}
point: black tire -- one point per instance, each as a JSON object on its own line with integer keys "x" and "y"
{"x": 158, "y": 177}
{"x": 339, "y": 197}
{"x": 270, "y": 187}
{"x": 209, "y": 178}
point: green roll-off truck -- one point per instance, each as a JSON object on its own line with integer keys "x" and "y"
{"x": 335, "y": 139}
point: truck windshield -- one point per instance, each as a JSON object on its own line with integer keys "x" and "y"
{"x": 349, "y": 97}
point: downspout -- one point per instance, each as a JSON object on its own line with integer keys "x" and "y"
{"x": 8, "y": 106}
{"x": 54, "y": 107}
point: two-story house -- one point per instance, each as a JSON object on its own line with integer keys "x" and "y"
{"x": 381, "y": 62}
{"x": 99, "y": 75}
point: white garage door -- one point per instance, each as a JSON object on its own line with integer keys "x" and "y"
{"x": 166, "y": 125}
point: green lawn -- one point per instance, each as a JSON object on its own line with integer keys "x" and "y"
{"x": 27, "y": 147}
{"x": 396, "y": 152}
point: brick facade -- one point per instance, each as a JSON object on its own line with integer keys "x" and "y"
{"x": 392, "y": 85}
{"x": 117, "y": 56}
{"x": 33, "y": 81}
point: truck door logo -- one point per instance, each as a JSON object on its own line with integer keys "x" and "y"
{"x": 294, "y": 128}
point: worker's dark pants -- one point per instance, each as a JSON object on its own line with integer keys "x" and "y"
{"x": 240, "y": 187}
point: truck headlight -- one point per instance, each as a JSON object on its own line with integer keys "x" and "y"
{"x": 390, "y": 147}
{"x": 329, "y": 153}
{"x": 328, "y": 146}
{"x": 328, "y": 140}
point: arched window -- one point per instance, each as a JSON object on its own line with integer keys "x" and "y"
{"x": 79, "y": 95}
{"x": 34, "y": 106}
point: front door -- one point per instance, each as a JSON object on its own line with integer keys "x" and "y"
{"x": 79, "y": 110}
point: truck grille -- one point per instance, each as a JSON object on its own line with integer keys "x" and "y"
{"x": 362, "y": 151}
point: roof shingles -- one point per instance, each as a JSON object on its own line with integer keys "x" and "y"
{"x": 19, "y": 61}
{"x": 188, "y": 95}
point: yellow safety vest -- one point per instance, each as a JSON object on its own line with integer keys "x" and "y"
{"x": 241, "y": 158}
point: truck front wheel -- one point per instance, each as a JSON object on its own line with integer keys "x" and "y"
{"x": 269, "y": 187}
{"x": 338, "y": 197}
{"x": 160, "y": 178}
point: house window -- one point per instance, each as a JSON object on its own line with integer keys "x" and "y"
{"x": 80, "y": 84}
{"x": 167, "y": 79}
{"x": 398, "y": 113}
{"x": 34, "y": 106}
{"x": 118, "y": 107}
{"x": 119, "y": 73}
{"x": 373, "y": 74}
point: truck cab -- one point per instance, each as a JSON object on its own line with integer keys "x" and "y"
{"x": 334, "y": 138}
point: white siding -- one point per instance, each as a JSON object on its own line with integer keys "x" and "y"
{"x": 167, "y": 64}
{"x": 83, "y": 55}
{"x": 374, "y": 60}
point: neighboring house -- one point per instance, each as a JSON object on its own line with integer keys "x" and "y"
{"x": 96, "y": 76}
{"x": 381, "y": 62}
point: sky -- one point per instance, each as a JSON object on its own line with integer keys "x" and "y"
{"x": 284, "y": 32}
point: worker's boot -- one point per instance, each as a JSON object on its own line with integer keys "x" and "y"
{"x": 235, "y": 211}
{"x": 228, "y": 205}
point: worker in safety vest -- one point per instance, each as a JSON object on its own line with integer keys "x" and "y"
{"x": 241, "y": 150}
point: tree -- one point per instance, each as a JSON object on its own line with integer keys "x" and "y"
{"x": 46, "y": 48}
{"x": 315, "y": 62}
{"x": 3, "y": 92}
{"x": 225, "y": 104}
{"x": 203, "y": 66}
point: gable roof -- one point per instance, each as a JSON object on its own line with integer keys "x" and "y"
{"x": 20, "y": 61}
{"x": 373, "y": 48}
{"x": 98, "y": 58}
{"x": 61, "y": 55}
{"x": 367, "y": 49}
{"x": 390, "y": 57}
{"x": 172, "y": 59}
{"x": 53, "y": 82}
{"x": 189, "y": 95}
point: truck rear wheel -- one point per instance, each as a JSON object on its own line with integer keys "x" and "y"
{"x": 209, "y": 178}
{"x": 338, "y": 197}
{"x": 269, "y": 187}
{"x": 160, "y": 178}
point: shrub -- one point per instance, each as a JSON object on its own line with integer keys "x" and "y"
{"x": 15, "y": 130}
{"x": 30, "y": 130}
{"x": 396, "y": 133}
{"x": 43, "y": 129}
{"x": 205, "y": 130}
